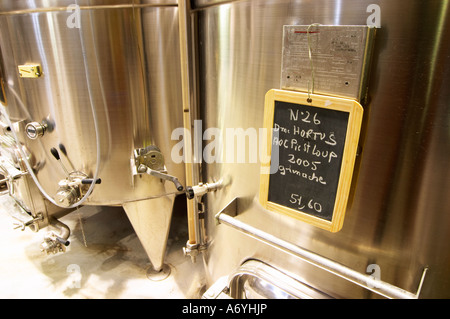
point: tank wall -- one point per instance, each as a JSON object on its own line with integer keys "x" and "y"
{"x": 396, "y": 215}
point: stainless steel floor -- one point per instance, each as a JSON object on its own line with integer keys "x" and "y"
{"x": 113, "y": 265}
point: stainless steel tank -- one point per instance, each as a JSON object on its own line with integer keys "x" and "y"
{"x": 93, "y": 93}
{"x": 397, "y": 221}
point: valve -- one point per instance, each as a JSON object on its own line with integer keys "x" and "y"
{"x": 56, "y": 240}
{"x": 67, "y": 195}
{"x": 73, "y": 187}
{"x": 54, "y": 244}
{"x": 201, "y": 189}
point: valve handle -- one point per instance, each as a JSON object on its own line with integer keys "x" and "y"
{"x": 63, "y": 149}
{"x": 55, "y": 153}
{"x": 88, "y": 181}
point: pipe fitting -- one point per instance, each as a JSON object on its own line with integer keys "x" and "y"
{"x": 202, "y": 188}
{"x": 56, "y": 240}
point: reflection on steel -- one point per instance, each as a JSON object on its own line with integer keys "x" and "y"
{"x": 363, "y": 280}
{"x": 255, "y": 279}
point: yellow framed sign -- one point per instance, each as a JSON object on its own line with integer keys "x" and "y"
{"x": 312, "y": 141}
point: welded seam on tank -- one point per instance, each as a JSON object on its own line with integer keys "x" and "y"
{"x": 200, "y": 7}
{"x": 99, "y": 7}
{"x": 145, "y": 198}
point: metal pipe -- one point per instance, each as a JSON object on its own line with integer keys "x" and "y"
{"x": 366, "y": 281}
{"x": 274, "y": 279}
{"x": 63, "y": 231}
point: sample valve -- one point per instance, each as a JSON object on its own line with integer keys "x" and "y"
{"x": 74, "y": 186}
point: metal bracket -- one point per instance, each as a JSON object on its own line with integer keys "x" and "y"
{"x": 230, "y": 209}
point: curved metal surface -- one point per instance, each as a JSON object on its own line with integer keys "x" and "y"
{"x": 396, "y": 217}
{"x": 255, "y": 279}
{"x": 131, "y": 77}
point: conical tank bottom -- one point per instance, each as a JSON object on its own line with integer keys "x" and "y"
{"x": 151, "y": 222}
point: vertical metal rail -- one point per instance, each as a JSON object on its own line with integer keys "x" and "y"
{"x": 366, "y": 281}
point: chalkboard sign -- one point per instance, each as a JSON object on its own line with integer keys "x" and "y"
{"x": 312, "y": 142}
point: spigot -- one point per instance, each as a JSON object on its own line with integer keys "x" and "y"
{"x": 191, "y": 251}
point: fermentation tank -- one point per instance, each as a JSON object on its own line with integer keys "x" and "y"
{"x": 92, "y": 92}
{"x": 397, "y": 224}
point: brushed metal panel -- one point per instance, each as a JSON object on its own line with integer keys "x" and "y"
{"x": 397, "y": 215}
{"x": 337, "y": 64}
